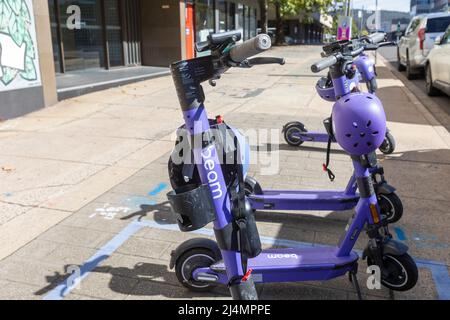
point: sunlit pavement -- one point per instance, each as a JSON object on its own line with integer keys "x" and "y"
{"x": 84, "y": 183}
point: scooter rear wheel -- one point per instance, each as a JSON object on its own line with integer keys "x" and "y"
{"x": 399, "y": 273}
{"x": 388, "y": 145}
{"x": 390, "y": 206}
{"x": 191, "y": 260}
{"x": 292, "y": 128}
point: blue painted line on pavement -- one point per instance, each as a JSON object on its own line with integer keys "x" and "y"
{"x": 160, "y": 187}
{"x": 63, "y": 289}
{"x": 105, "y": 252}
{"x": 400, "y": 234}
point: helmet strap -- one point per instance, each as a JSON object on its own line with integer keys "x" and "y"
{"x": 326, "y": 165}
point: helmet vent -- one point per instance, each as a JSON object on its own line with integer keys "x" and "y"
{"x": 348, "y": 135}
{"x": 375, "y": 133}
{"x": 355, "y": 145}
{"x": 369, "y": 144}
{"x": 368, "y": 123}
{"x": 355, "y": 125}
{"x": 370, "y": 98}
{"x": 347, "y": 100}
{"x": 362, "y": 134}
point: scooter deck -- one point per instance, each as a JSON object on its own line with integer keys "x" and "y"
{"x": 306, "y": 264}
{"x": 303, "y": 200}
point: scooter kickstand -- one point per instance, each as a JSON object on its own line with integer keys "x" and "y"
{"x": 354, "y": 280}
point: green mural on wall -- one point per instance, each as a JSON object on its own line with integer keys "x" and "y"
{"x": 18, "y": 56}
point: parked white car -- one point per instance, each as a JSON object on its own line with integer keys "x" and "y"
{"x": 437, "y": 70}
{"x": 418, "y": 41}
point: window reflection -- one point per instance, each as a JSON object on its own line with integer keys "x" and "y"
{"x": 204, "y": 19}
{"x": 83, "y": 48}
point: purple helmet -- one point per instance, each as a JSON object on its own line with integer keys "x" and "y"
{"x": 359, "y": 123}
{"x": 325, "y": 89}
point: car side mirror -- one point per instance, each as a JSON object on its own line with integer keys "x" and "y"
{"x": 438, "y": 40}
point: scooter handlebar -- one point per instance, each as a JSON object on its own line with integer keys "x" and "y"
{"x": 250, "y": 48}
{"x": 323, "y": 64}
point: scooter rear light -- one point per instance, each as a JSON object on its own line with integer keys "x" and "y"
{"x": 421, "y": 35}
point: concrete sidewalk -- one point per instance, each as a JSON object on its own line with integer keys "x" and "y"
{"x": 76, "y": 176}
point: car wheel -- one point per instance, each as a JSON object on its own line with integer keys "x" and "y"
{"x": 431, "y": 90}
{"x": 400, "y": 67}
{"x": 409, "y": 72}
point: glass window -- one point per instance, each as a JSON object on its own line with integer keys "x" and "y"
{"x": 231, "y": 16}
{"x": 246, "y": 22}
{"x": 222, "y": 7}
{"x": 240, "y": 19}
{"x": 438, "y": 24}
{"x": 204, "y": 19}
{"x": 113, "y": 32}
{"x": 414, "y": 24}
{"x": 54, "y": 30}
{"x": 446, "y": 37}
{"x": 83, "y": 48}
{"x": 253, "y": 22}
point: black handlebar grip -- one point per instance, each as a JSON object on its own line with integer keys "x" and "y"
{"x": 323, "y": 64}
{"x": 266, "y": 60}
{"x": 250, "y": 48}
{"x": 377, "y": 37}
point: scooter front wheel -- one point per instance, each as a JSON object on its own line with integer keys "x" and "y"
{"x": 191, "y": 260}
{"x": 252, "y": 186}
{"x": 399, "y": 273}
{"x": 390, "y": 206}
{"x": 388, "y": 145}
{"x": 290, "y": 130}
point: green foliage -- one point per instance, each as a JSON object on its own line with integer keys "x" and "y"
{"x": 305, "y": 8}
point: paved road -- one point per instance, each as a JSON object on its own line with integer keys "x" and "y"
{"x": 443, "y": 101}
{"x": 88, "y": 177}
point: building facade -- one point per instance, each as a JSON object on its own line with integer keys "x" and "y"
{"x": 388, "y": 19}
{"x": 429, "y": 6}
{"x": 42, "y": 41}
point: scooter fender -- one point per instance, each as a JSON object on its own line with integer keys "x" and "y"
{"x": 385, "y": 188}
{"x": 190, "y": 244}
{"x": 391, "y": 247}
{"x": 394, "y": 248}
{"x": 292, "y": 123}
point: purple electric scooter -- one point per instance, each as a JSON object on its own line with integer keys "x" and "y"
{"x": 360, "y": 70}
{"x": 235, "y": 259}
{"x": 389, "y": 203}
{"x": 185, "y": 173}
